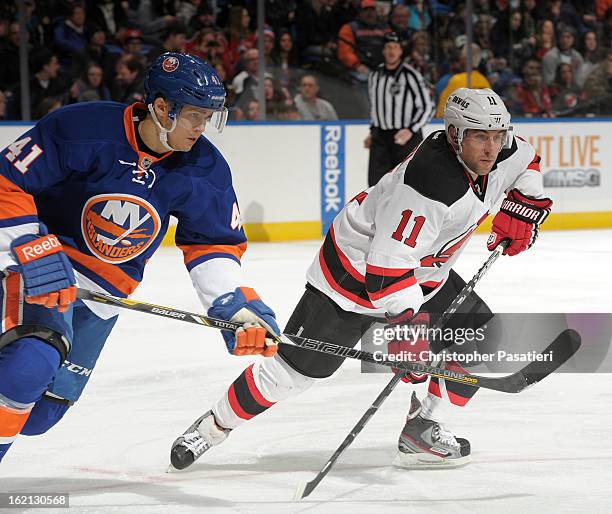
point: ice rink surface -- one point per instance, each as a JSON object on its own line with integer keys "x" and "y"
{"x": 546, "y": 450}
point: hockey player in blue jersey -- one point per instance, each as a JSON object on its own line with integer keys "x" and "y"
{"x": 87, "y": 195}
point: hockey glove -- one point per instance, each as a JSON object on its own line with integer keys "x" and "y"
{"x": 244, "y": 306}
{"x": 410, "y": 344}
{"x": 47, "y": 273}
{"x": 517, "y": 222}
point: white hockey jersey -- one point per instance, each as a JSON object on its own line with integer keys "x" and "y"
{"x": 393, "y": 245}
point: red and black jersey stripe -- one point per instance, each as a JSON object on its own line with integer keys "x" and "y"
{"x": 429, "y": 286}
{"x": 340, "y": 273}
{"x": 381, "y": 282}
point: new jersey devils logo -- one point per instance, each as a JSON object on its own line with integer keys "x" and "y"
{"x": 170, "y": 64}
{"x": 118, "y": 227}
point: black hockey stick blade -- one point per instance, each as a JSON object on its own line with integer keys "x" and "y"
{"x": 557, "y": 353}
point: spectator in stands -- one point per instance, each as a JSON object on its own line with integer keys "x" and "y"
{"x": 269, "y": 42}
{"x": 591, "y": 53}
{"x": 186, "y": 10}
{"x": 563, "y": 52}
{"x": 360, "y": 42}
{"x": 478, "y": 80}
{"x": 45, "y": 82}
{"x": 482, "y": 37}
{"x": 222, "y": 72}
{"x": 252, "y": 113}
{"x": 70, "y": 37}
{"x": 129, "y": 80}
{"x": 285, "y": 59}
{"x": 277, "y": 98}
{"x": 500, "y": 76}
{"x": 530, "y": 17}
{"x": 565, "y": 92}
{"x": 345, "y": 11}
{"x": 509, "y": 38}
{"x": 245, "y": 84}
{"x": 238, "y": 34}
{"x": 153, "y": 17}
{"x": 209, "y": 46}
{"x": 173, "y": 39}
{"x": 132, "y": 41}
{"x": 309, "y": 105}
{"x": 420, "y": 18}
{"x": 280, "y": 14}
{"x": 38, "y": 25}
{"x": 90, "y": 86}
{"x": 601, "y": 8}
{"x": 532, "y": 97}
{"x": 316, "y": 30}
{"x": 96, "y": 51}
{"x": 545, "y": 38}
{"x": 288, "y": 113}
{"x": 598, "y": 85}
{"x": 398, "y": 21}
{"x": 109, "y": 15}
{"x": 47, "y": 105}
{"x": 420, "y": 58}
{"x": 204, "y": 19}
{"x": 9, "y": 57}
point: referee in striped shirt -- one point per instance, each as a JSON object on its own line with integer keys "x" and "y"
{"x": 400, "y": 106}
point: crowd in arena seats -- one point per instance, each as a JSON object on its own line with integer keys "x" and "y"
{"x": 546, "y": 58}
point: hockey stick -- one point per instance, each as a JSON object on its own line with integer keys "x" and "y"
{"x": 563, "y": 347}
{"x": 508, "y": 384}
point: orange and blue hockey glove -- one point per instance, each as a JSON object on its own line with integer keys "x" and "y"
{"x": 48, "y": 278}
{"x": 258, "y": 322}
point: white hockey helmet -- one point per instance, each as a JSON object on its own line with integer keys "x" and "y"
{"x": 480, "y": 109}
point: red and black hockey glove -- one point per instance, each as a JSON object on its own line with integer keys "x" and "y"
{"x": 411, "y": 344}
{"x": 517, "y": 222}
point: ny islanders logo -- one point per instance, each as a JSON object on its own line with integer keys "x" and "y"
{"x": 118, "y": 227}
{"x": 170, "y": 64}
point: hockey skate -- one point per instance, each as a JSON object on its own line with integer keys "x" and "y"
{"x": 424, "y": 444}
{"x": 197, "y": 439}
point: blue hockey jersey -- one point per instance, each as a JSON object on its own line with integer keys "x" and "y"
{"x": 79, "y": 171}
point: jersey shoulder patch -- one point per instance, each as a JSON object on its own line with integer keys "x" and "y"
{"x": 435, "y": 172}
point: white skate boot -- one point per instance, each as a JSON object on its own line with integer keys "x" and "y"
{"x": 197, "y": 439}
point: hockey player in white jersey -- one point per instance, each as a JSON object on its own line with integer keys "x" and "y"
{"x": 389, "y": 255}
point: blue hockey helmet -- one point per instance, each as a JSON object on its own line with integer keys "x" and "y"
{"x": 184, "y": 79}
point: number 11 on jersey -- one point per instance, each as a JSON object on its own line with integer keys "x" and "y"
{"x": 398, "y": 234}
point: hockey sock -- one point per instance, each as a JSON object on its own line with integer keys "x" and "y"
{"x": 242, "y": 402}
{"x": 27, "y": 367}
{"x": 259, "y": 387}
{"x": 433, "y": 407}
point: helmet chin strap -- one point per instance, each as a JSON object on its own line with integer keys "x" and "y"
{"x": 163, "y": 133}
{"x": 464, "y": 164}
{"x": 458, "y": 149}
